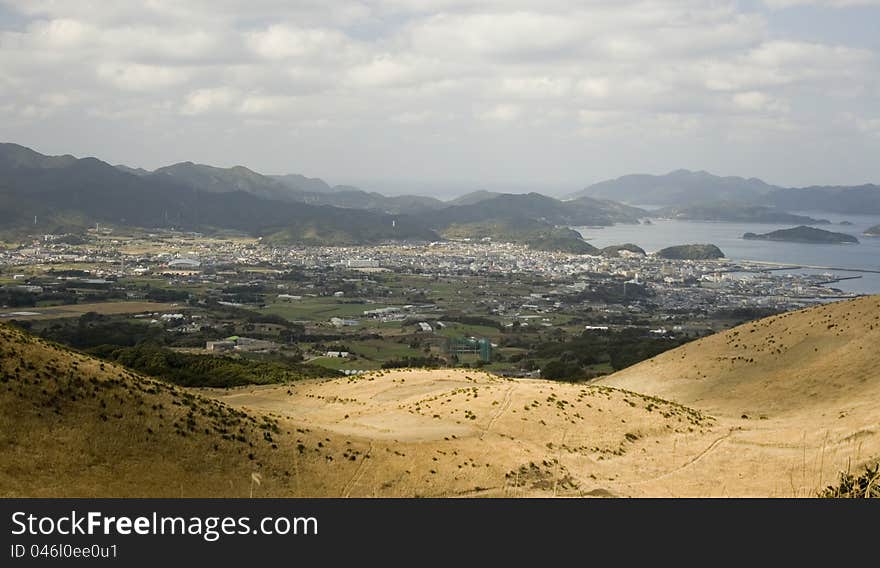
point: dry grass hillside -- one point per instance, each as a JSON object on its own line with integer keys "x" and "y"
{"x": 464, "y": 433}
{"x": 802, "y": 388}
{"x": 772, "y": 408}
{"x": 73, "y": 426}
{"x": 818, "y": 357}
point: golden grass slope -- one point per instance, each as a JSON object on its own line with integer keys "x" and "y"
{"x": 799, "y": 362}
{"x": 73, "y": 426}
{"x": 456, "y": 432}
{"x": 772, "y": 408}
{"x": 802, "y": 388}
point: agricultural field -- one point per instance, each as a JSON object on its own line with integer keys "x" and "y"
{"x": 77, "y": 310}
{"x": 317, "y": 309}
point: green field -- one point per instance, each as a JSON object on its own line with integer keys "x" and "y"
{"x": 318, "y": 309}
{"x": 383, "y": 350}
{"x": 454, "y": 329}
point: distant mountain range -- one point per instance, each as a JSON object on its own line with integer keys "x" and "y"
{"x": 46, "y": 194}
{"x": 293, "y": 188}
{"x": 50, "y": 194}
{"x": 61, "y": 193}
{"x": 581, "y": 211}
{"x": 680, "y": 187}
{"x": 683, "y": 188}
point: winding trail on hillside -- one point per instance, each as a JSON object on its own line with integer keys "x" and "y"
{"x": 358, "y": 474}
{"x": 709, "y": 449}
{"x": 501, "y": 410}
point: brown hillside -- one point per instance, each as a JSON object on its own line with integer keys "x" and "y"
{"x": 773, "y": 408}
{"x": 468, "y": 433}
{"x": 73, "y": 426}
{"x": 803, "y": 361}
{"x": 801, "y": 392}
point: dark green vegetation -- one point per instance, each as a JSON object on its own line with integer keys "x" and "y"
{"x": 63, "y": 194}
{"x": 533, "y": 219}
{"x": 190, "y": 370}
{"x": 292, "y": 188}
{"x": 532, "y": 323}
{"x": 148, "y": 349}
{"x": 594, "y": 352}
{"x": 614, "y": 250}
{"x": 474, "y": 197}
{"x": 863, "y": 485}
{"x": 736, "y": 212}
{"x": 536, "y": 234}
{"x": 66, "y": 194}
{"x": 804, "y": 234}
{"x": 91, "y": 330}
{"x": 691, "y": 252}
{"x": 534, "y": 206}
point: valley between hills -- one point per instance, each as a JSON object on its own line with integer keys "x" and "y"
{"x": 772, "y": 408}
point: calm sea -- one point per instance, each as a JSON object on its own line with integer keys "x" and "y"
{"x": 728, "y": 237}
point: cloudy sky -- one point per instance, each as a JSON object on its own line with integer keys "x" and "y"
{"x": 448, "y": 95}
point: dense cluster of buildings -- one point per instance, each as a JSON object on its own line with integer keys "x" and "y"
{"x": 672, "y": 284}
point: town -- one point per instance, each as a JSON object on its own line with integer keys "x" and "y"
{"x": 352, "y": 309}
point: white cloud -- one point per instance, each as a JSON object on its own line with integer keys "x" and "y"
{"x": 59, "y": 34}
{"x": 869, "y": 125}
{"x": 501, "y": 113}
{"x": 597, "y": 87}
{"x": 204, "y": 101}
{"x": 516, "y": 34}
{"x": 262, "y": 105}
{"x": 139, "y": 77}
{"x": 416, "y": 117}
{"x": 756, "y": 101}
{"x": 282, "y": 41}
{"x": 555, "y": 69}
{"x": 536, "y": 87}
{"x": 383, "y": 70}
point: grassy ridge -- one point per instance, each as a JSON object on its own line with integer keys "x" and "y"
{"x": 75, "y": 426}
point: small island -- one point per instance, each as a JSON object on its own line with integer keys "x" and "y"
{"x": 691, "y": 252}
{"x": 804, "y": 234}
{"x": 737, "y": 213}
{"x": 532, "y": 233}
{"x": 616, "y": 251}
{"x": 872, "y": 231}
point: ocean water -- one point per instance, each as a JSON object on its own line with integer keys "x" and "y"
{"x": 728, "y": 237}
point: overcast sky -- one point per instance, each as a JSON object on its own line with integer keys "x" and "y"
{"x": 451, "y": 95}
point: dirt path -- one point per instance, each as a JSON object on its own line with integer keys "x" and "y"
{"x": 501, "y": 409}
{"x": 358, "y": 474}
{"x": 710, "y": 448}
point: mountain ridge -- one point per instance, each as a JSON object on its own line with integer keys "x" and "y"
{"x": 71, "y": 194}
{"x": 64, "y": 194}
{"x": 683, "y": 188}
